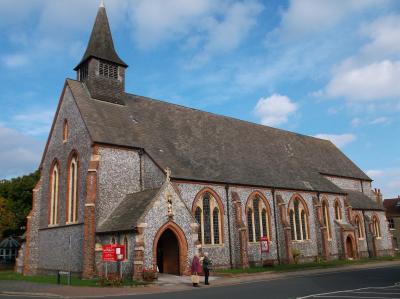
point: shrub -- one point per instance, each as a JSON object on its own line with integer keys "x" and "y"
{"x": 296, "y": 255}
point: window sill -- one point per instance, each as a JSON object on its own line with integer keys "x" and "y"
{"x": 211, "y": 245}
{"x": 61, "y": 226}
{"x": 301, "y": 241}
{"x": 71, "y": 223}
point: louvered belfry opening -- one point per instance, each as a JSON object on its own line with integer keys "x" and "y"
{"x": 101, "y": 69}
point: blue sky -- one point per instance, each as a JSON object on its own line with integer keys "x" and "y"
{"x": 323, "y": 68}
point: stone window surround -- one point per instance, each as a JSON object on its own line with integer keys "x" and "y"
{"x": 303, "y": 207}
{"x": 359, "y": 226}
{"x": 263, "y": 203}
{"x": 54, "y": 193}
{"x": 376, "y": 226}
{"x": 65, "y": 131}
{"x": 338, "y": 210}
{"x": 217, "y": 203}
{"x": 73, "y": 159}
{"x": 326, "y": 215}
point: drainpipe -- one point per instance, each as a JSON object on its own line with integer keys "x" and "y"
{"x": 141, "y": 169}
{"x": 229, "y": 225}
{"x": 276, "y": 226}
{"x": 366, "y": 234}
{"x": 362, "y": 187}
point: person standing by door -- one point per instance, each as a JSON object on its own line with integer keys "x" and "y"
{"x": 206, "y": 268}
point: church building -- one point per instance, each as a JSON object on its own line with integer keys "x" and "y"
{"x": 168, "y": 181}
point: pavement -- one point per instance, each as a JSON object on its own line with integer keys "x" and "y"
{"x": 301, "y": 283}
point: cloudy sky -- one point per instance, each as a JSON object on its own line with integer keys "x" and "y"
{"x": 326, "y": 68}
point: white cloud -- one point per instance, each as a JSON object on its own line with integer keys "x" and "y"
{"x": 375, "y": 173}
{"x": 15, "y": 60}
{"x": 355, "y": 122}
{"x": 35, "y": 122}
{"x": 387, "y": 179}
{"x": 375, "y": 81}
{"x": 158, "y": 21}
{"x": 380, "y": 120}
{"x": 340, "y": 140}
{"x": 310, "y": 16}
{"x": 205, "y": 26}
{"x": 385, "y": 36}
{"x": 239, "y": 18}
{"x": 19, "y": 154}
{"x": 275, "y": 110}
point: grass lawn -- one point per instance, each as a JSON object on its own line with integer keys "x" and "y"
{"x": 10, "y": 275}
{"x": 304, "y": 266}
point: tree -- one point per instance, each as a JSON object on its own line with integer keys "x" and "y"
{"x": 7, "y": 222}
{"x": 17, "y": 197}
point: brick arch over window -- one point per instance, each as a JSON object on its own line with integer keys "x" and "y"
{"x": 182, "y": 243}
{"x": 298, "y": 214}
{"x": 209, "y": 215}
{"x": 326, "y": 216}
{"x": 338, "y": 209}
{"x": 72, "y": 203}
{"x": 54, "y": 192}
{"x": 258, "y": 216}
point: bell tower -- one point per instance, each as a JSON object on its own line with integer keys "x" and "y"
{"x": 101, "y": 69}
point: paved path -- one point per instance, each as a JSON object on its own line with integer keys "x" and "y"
{"x": 300, "y": 284}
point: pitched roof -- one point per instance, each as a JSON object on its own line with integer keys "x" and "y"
{"x": 125, "y": 216}
{"x": 8, "y": 243}
{"x": 392, "y": 206}
{"x": 202, "y": 146}
{"x": 360, "y": 201}
{"x": 101, "y": 44}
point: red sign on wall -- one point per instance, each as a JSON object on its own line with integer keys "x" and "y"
{"x": 264, "y": 244}
{"x": 113, "y": 253}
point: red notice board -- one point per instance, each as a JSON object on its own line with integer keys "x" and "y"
{"x": 113, "y": 253}
{"x": 264, "y": 244}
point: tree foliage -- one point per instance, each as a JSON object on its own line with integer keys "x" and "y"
{"x": 16, "y": 202}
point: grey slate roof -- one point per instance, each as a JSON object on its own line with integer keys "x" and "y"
{"x": 101, "y": 44}
{"x": 125, "y": 216}
{"x": 392, "y": 206}
{"x": 202, "y": 146}
{"x": 360, "y": 201}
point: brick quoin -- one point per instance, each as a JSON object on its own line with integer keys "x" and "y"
{"x": 89, "y": 239}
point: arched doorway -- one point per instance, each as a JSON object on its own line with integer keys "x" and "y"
{"x": 168, "y": 253}
{"x": 349, "y": 248}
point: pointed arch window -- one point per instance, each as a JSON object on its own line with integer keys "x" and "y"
{"x": 338, "y": 210}
{"x": 327, "y": 223}
{"x": 198, "y": 215}
{"x": 298, "y": 217}
{"x": 376, "y": 226}
{"x": 359, "y": 227}
{"x": 207, "y": 212}
{"x": 72, "y": 204}
{"x": 54, "y": 194}
{"x": 65, "y": 131}
{"x": 258, "y": 218}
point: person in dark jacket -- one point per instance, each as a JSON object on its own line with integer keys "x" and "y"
{"x": 206, "y": 268}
